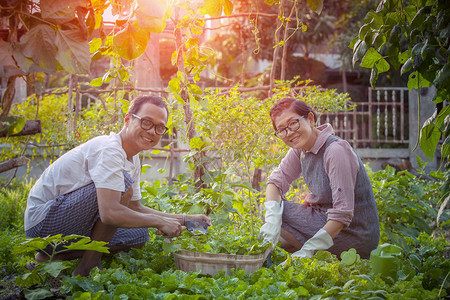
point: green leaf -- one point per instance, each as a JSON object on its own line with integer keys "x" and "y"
{"x": 130, "y": 42}
{"x": 95, "y": 44}
{"x": 395, "y": 35}
{"x": 405, "y": 56}
{"x": 359, "y": 52}
{"x": 90, "y": 21}
{"x": 73, "y": 51}
{"x": 169, "y": 247}
{"x": 429, "y": 138}
{"x": 350, "y": 257}
{"x": 445, "y": 151}
{"x": 394, "y": 56}
{"x": 39, "y": 44}
{"x": 371, "y": 57}
{"x": 31, "y": 244}
{"x": 88, "y": 244}
{"x": 363, "y": 31}
{"x": 373, "y": 77}
{"x": 196, "y": 209}
{"x": 154, "y": 8}
{"x": 415, "y": 81}
{"x": 96, "y": 82}
{"x": 152, "y": 15}
{"x": 315, "y": 5}
{"x": 8, "y": 66}
{"x": 37, "y": 294}
{"x": 59, "y": 12}
{"x": 442, "y": 120}
{"x": 13, "y": 124}
{"x": 419, "y": 18}
{"x": 442, "y": 79}
{"x": 174, "y": 86}
{"x": 378, "y": 40}
{"x": 382, "y": 65}
{"x": 28, "y": 279}
{"x": 354, "y": 42}
{"x": 437, "y": 174}
{"x": 418, "y": 48}
{"x": 406, "y": 66}
{"x": 53, "y": 268}
{"x": 212, "y": 8}
{"x": 227, "y": 7}
{"x": 174, "y": 58}
{"x": 383, "y": 5}
{"x": 195, "y": 89}
{"x": 420, "y": 162}
{"x": 196, "y": 143}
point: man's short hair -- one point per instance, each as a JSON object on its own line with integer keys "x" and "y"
{"x": 137, "y": 103}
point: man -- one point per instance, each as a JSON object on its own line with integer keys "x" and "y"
{"x": 93, "y": 190}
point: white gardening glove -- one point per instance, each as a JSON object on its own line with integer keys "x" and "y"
{"x": 270, "y": 231}
{"x": 320, "y": 241}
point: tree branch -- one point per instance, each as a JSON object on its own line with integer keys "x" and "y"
{"x": 31, "y": 127}
{"x": 13, "y": 163}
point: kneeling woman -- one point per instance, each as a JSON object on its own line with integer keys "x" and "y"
{"x": 340, "y": 212}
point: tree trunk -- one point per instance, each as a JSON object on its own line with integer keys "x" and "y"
{"x": 275, "y": 52}
{"x": 8, "y": 97}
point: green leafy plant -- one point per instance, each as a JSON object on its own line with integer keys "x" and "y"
{"x": 412, "y": 37}
{"x": 403, "y": 200}
{"x": 51, "y": 246}
{"x": 13, "y": 200}
{"x": 222, "y": 240}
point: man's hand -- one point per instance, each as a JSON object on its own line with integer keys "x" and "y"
{"x": 199, "y": 218}
{"x": 170, "y": 227}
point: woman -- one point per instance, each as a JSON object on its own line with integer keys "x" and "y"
{"x": 340, "y": 212}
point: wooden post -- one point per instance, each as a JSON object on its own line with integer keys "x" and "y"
{"x": 70, "y": 105}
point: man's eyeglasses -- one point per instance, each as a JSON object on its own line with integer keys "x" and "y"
{"x": 293, "y": 125}
{"x": 146, "y": 124}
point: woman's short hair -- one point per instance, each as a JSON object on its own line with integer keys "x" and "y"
{"x": 137, "y": 103}
{"x": 297, "y": 106}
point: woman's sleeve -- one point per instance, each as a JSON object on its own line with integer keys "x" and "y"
{"x": 287, "y": 171}
{"x": 341, "y": 165}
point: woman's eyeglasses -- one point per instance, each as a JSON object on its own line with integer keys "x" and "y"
{"x": 293, "y": 125}
{"x": 146, "y": 124}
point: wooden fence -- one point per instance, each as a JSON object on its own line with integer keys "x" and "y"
{"x": 381, "y": 122}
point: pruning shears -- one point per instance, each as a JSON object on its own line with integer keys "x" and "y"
{"x": 197, "y": 227}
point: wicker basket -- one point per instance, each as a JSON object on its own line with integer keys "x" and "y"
{"x": 211, "y": 263}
